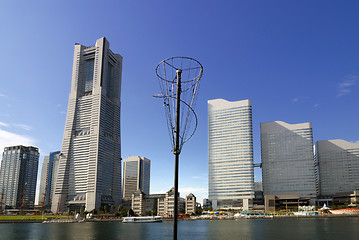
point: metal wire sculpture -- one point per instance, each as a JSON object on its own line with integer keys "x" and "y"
{"x": 179, "y": 81}
{"x": 190, "y": 73}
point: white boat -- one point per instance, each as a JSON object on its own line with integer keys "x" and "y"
{"x": 142, "y": 219}
{"x": 63, "y": 221}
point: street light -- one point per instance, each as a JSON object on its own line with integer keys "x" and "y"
{"x": 179, "y": 78}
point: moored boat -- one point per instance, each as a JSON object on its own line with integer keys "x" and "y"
{"x": 63, "y": 221}
{"x": 142, "y": 219}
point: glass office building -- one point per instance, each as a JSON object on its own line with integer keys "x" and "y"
{"x": 288, "y": 159}
{"x": 136, "y": 176}
{"x": 48, "y": 178}
{"x": 230, "y": 154}
{"x": 18, "y": 177}
{"x": 89, "y": 172}
{"x": 338, "y": 162}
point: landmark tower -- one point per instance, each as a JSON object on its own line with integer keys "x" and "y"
{"x": 89, "y": 171}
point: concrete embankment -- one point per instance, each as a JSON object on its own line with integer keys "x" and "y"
{"x": 21, "y": 221}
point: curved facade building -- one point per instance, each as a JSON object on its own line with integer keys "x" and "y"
{"x": 338, "y": 166}
{"x": 288, "y": 159}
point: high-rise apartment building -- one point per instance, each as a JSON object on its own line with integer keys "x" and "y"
{"x": 89, "y": 171}
{"x": 136, "y": 176}
{"x": 338, "y": 166}
{"x": 48, "y": 178}
{"x": 288, "y": 159}
{"x": 18, "y": 176}
{"x": 230, "y": 153}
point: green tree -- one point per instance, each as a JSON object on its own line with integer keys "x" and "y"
{"x": 113, "y": 208}
{"x": 122, "y": 212}
{"x": 120, "y": 207}
{"x": 199, "y": 211}
{"x": 153, "y": 212}
{"x": 100, "y": 209}
{"x": 82, "y": 210}
{"x": 105, "y": 208}
{"x": 131, "y": 212}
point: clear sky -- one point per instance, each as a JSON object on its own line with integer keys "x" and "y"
{"x": 298, "y": 61}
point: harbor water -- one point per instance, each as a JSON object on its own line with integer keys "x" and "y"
{"x": 277, "y": 228}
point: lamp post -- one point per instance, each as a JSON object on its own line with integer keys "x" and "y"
{"x": 179, "y": 112}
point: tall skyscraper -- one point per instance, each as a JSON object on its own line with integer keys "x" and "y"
{"x": 90, "y": 160}
{"x": 230, "y": 153}
{"x": 288, "y": 159}
{"x": 136, "y": 175}
{"x": 18, "y": 176}
{"x": 48, "y": 178}
{"x": 338, "y": 166}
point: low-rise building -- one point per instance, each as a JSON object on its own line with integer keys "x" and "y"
{"x": 206, "y": 204}
{"x": 258, "y": 201}
{"x": 165, "y": 206}
{"x": 168, "y": 209}
{"x": 288, "y": 202}
{"x": 152, "y": 201}
{"x": 138, "y": 203}
{"x": 160, "y": 204}
{"x": 143, "y": 204}
{"x": 190, "y": 204}
{"x": 350, "y": 199}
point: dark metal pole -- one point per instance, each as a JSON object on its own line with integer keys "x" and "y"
{"x": 177, "y": 152}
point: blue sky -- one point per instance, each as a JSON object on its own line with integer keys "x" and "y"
{"x": 297, "y": 60}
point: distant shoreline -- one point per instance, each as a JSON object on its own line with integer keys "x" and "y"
{"x": 273, "y": 217}
{"x": 194, "y": 218}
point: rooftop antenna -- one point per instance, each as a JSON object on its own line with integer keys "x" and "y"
{"x": 178, "y": 78}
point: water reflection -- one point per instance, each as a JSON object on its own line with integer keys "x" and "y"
{"x": 286, "y": 228}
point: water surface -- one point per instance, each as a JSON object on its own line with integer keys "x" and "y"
{"x": 286, "y": 228}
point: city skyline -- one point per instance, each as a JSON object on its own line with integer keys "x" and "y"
{"x": 298, "y": 62}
